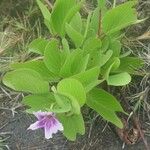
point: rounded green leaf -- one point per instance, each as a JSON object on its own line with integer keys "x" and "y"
{"x": 26, "y": 80}
{"x": 119, "y": 79}
{"x": 91, "y": 44}
{"x": 74, "y": 88}
{"x": 119, "y": 17}
{"x": 38, "y": 66}
{"x": 62, "y": 13}
{"x": 38, "y": 46}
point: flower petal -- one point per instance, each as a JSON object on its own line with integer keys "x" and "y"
{"x": 37, "y": 125}
{"x": 52, "y": 126}
{"x": 60, "y": 126}
{"x": 40, "y": 115}
{"x": 48, "y": 131}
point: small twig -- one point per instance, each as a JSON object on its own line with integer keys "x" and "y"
{"x": 130, "y": 115}
{"x": 106, "y": 125}
{"x": 3, "y": 126}
{"x": 91, "y": 127}
{"x": 6, "y": 92}
{"x": 7, "y": 147}
{"x": 4, "y": 133}
{"x": 38, "y": 58}
{"x": 12, "y": 110}
{"x": 123, "y": 145}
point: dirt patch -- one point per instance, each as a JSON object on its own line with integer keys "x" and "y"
{"x": 99, "y": 136}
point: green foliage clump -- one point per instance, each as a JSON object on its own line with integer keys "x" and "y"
{"x": 82, "y": 53}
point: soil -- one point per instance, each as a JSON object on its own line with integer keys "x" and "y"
{"x": 99, "y": 136}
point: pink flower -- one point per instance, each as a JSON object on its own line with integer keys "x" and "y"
{"x": 48, "y": 122}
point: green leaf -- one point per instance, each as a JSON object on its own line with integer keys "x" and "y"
{"x": 74, "y": 63}
{"x": 110, "y": 66}
{"x": 74, "y": 102}
{"x": 72, "y": 125}
{"x": 89, "y": 78}
{"x": 91, "y": 44}
{"x": 119, "y": 17}
{"x": 130, "y": 64}
{"x": 26, "y": 80}
{"x": 94, "y": 24}
{"x": 65, "y": 51}
{"x": 76, "y": 22}
{"x": 105, "y": 57}
{"x": 50, "y": 27}
{"x": 115, "y": 46}
{"x": 52, "y": 58}
{"x": 74, "y": 35}
{"x": 65, "y": 46}
{"x": 106, "y": 105}
{"x": 47, "y": 16}
{"x": 87, "y": 25}
{"x": 115, "y": 62}
{"x": 38, "y": 46}
{"x": 65, "y": 70}
{"x": 38, "y": 66}
{"x": 73, "y": 88}
{"x": 62, "y": 105}
{"x": 44, "y": 10}
{"x": 99, "y": 59}
{"x": 75, "y": 107}
{"x": 119, "y": 79}
{"x": 62, "y": 13}
{"x": 73, "y": 12}
{"x": 105, "y": 44}
{"x": 60, "y": 10}
{"x": 39, "y": 102}
{"x": 81, "y": 66}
